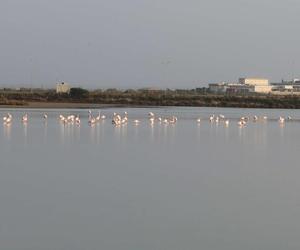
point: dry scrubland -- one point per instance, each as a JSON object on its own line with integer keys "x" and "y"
{"x": 194, "y": 97}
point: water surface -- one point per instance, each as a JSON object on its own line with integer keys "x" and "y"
{"x": 170, "y": 187}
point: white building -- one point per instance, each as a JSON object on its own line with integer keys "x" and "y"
{"x": 254, "y": 81}
{"x": 257, "y": 85}
{"x": 218, "y": 87}
{"x": 286, "y": 87}
{"x": 244, "y": 85}
{"x": 265, "y": 89}
{"x": 63, "y": 88}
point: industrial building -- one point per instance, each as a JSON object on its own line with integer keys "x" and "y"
{"x": 63, "y": 88}
{"x": 257, "y": 85}
{"x": 265, "y": 89}
{"x": 218, "y": 87}
{"x": 254, "y": 81}
{"x": 287, "y": 87}
{"x": 244, "y": 85}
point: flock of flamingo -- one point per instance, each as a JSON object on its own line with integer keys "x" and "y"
{"x": 118, "y": 119}
{"x": 242, "y": 121}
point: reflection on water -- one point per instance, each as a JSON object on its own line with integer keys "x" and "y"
{"x": 25, "y": 129}
{"x": 92, "y": 133}
{"x": 281, "y": 126}
{"x": 151, "y": 132}
{"x": 62, "y": 132}
{"x": 178, "y": 186}
{"x": 7, "y": 131}
{"x": 45, "y": 131}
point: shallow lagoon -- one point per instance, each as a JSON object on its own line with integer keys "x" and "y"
{"x": 172, "y": 187}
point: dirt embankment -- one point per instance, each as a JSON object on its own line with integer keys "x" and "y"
{"x": 100, "y": 99}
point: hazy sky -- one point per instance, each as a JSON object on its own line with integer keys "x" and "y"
{"x": 137, "y": 43}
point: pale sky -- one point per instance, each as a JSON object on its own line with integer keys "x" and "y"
{"x": 147, "y": 43}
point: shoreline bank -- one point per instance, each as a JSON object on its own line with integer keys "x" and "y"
{"x": 170, "y": 98}
{"x": 75, "y": 105}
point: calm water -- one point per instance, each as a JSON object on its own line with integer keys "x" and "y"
{"x": 175, "y": 187}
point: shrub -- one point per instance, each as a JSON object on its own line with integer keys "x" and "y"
{"x": 79, "y": 93}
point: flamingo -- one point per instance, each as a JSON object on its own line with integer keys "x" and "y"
{"x": 172, "y": 120}
{"x": 61, "y": 118}
{"x": 71, "y": 118}
{"x": 7, "y": 119}
{"x": 25, "y": 118}
{"x": 116, "y": 119}
{"x": 241, "y": 123}
{"x": 151, "y": 119}
{"x": 92, "y": 121}
{"x": 281, "y": 120}
{"x": 98, "y": 117}
{"x": 77, "y": 119}
{"x": 125, "y": 119}
{"x": 151, "y": 114}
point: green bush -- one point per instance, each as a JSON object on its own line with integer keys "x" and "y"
{"x": 79, "y": 93}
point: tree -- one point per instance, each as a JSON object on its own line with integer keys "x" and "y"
{"x": 79, "y": 93}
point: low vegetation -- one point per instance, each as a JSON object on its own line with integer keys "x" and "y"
{"x": 148, "y": 97}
